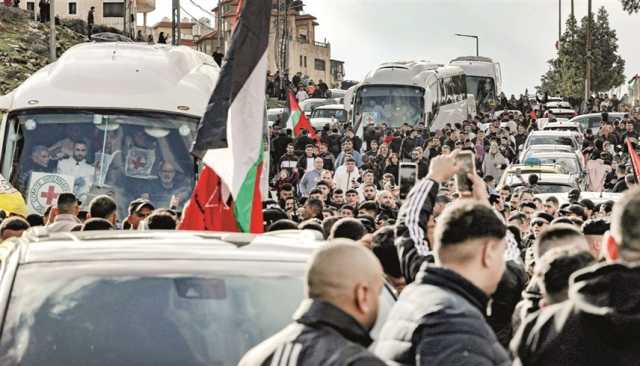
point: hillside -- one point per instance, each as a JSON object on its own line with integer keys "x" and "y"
{"x": 24, "y": 46}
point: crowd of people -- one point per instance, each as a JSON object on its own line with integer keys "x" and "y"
{"x": 548, "y": 285}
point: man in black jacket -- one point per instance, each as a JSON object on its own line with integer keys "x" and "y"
{"x": 332, "y": 326}
{"x": 439, "y": 318}
{"x": 600, "y": 323}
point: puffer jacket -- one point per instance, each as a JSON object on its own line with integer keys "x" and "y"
{"x": 598, "y": 325}
{"x": 438, "y": 320}
{"x": 322, "y": 334}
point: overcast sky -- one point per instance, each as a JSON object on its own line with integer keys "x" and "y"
{"x": 520, "y": 34}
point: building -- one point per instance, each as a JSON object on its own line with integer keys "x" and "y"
{"x": 113, "y": 13}
{"x": 186, "y": 31}
{"x": 292, "y": 42}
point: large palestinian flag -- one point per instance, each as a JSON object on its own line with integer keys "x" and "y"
{"x": 230, "y": 134}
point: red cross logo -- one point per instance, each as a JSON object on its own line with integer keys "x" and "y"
{"x": 50, "y": 194}
{"x": 138, "y": 162}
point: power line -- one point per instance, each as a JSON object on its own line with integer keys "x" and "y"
{"x": 200, "y": 7}
{"x": 195, "y": 19}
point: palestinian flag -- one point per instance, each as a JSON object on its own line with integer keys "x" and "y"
{"x": 231, "y": 133}
{"x": 297, "y": 119}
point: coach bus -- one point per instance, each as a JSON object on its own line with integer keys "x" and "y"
{"x": 411, "y": 92}
{"x": 107, "y": 118}
{"x": 483, "y": 77}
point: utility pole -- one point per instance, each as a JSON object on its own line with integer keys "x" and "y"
{"x": 573, "y": 14}
{"x": 559, "y": 22}
{"x": 219, "y": 26}
{"x": 52, "y": 31}
{"x": 175, "y": 22}
{"x": 587, "y": 81}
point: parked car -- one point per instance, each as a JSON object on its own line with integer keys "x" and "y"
{"x": 541, "y": 122}
{"x": 308, "y": 105}
{"x": 149, "y": 298}
{"x": 560, "y": 113}
{"x": 565, "y": 138}
{"x": 593, "y": 120}
{"x": 563, "y": 126}
{"x": 550, "y": 180}
{"x": 328, "y": 114}
{"x": 568, "y": 162}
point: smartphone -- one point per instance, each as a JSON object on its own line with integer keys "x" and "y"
{"x": 467, "y": 166}
{"x": 407, "y": 176}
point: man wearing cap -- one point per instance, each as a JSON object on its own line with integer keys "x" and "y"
{"x": 66, "y": 214}
{"x": 594, "y": 230}
{"x": 139, "y": 209}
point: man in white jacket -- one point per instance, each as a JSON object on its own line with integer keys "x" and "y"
{"x": 347, "y": 175}
{"x": 494, "y": 162}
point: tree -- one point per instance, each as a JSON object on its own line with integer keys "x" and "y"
{"x": 567, "y": 71}
{"x": 631, "y": 6}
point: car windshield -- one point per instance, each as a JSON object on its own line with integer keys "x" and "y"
{"x": 123, "y": 154}
{"x": 550, "y": 140}
{"x": 192, "y": 313}
{"x": 484, "y": 90}
{"x": 393, "y": 105}
{"x": 339, "y": 114}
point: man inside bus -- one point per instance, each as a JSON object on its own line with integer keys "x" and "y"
{"x": 40, "y": 161}
{"x": 77, "y": 167}
{"x": 169, "y": 187}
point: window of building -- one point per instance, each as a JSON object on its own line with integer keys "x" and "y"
{"x": 301, "y": 61}
{"x": 73, "y": 8}
{"x": 305, "y": 61}
{"x": 31, "y": 6}
{"x": 113, "y": 10}
{"x": 320, "y": 65}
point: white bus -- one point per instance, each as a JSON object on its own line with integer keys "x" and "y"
{"x": 411, "y": 92}
{"x": 483, "y": 77}
{"x": 107, "y": 118}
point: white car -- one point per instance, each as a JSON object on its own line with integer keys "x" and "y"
{"x": 560, "y": 113}
{"x": 563, "y": 126}
{"x": 541, "y": 122}
{"x": 566, "y": 138}
{"x": 308, "y": 105}
{"x": 558, "y": 104}
{"x": 328, "y": 114}
{"x": 594, "y": 120}
{"x": 568, "y": 162}
{"x": 547, "y": 182}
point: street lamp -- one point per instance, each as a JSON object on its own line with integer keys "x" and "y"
{"x": 472, "y": 36}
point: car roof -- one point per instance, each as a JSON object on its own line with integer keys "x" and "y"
{"x": 552, "y": 133}
{"x": 553, "y": 154}
{"x": 331, "y": 106}
{"x": 543, "y": 168}
{"x": 615, "y": 114}
{"x": 285, "y": 246}
{"x": 545, "y": 178}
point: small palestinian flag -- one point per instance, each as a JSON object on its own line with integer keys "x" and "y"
{"x": 297, "y": 119}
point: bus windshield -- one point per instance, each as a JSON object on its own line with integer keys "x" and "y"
{"x": 126, "y": 155}
{"x": 391, "y": 105}
{"x": 483, "y": 89}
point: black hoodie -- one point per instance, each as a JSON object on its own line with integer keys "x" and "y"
{"x": 598, "y": 325}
